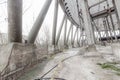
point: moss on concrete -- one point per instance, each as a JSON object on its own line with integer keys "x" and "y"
{"x": 110, "y": 66}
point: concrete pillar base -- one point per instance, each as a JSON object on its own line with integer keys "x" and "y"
{"x": 54, "y": 49}
{"x": 19, "y": 56}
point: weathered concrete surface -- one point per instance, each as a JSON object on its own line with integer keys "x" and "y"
{"x": 78, "y": 65}
{"x": 4, "y": 55}
{"x": 91, "y": 48}
{"x": 14, "y": 20}
{"x": 116, "y": 50}
{"x": 17, "y": 56}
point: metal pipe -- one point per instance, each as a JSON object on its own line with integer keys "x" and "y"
{"x": 37, "y": 25}
{"x": 14, "y": 20}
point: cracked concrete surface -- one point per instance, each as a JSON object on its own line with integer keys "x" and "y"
{"x": 81, "y": 66}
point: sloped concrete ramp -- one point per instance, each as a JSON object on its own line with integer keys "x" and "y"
{"x": 76, "y": 64}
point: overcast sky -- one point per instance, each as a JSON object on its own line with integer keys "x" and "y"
{"x": 31, "y": 9}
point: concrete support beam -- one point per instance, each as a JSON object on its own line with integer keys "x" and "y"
{"x": 87, "y": 23}
{"x": 15, "y": 20}
{"x": 75, "y": 35}
{"x": 117, "y": 6}
{"x": 106, "y": 28}
{"x": 97, "y": 3}
{"x": 72, "y": 36}
{"x": 80, "y": 39}
{"x": 78, "y": 36}
{"x": 109, "y": 29}
{"x": 102, "y": 14}
{"x": 69, "y": 32}
{"x": 117, "y": 10}
{"x": 96, "y": 27}
{"x": 65, "y": 33}
{"x": 60, "y": 30}
{"x": 37, "y": 25}
{"x": 113, "y": 26}
{"x": 55, "y": 23}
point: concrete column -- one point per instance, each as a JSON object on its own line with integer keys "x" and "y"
{"x": 81, "y": 34}
{"x": 99, "y": 33}
{"x": 75, "y": 35}
{"x": 87, "y": 23}
{"x": 55, "y": 23}
{"x": 15, "y": 20}
{"x": 37, "y": 25}
{"x": 117, "y": 7}
{"x": 59, "y": 32}
{"x": 109, "y": 30}
{"x": 78, "y": 37}
{"x": 72, "y": 36}
{"x": 69, "y": 32}
{"x": 65, "y": 32}
{"x": 106, "y": 29}
{"x": 113, "y": 26}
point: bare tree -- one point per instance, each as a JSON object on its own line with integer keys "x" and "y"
{"x": 46, "y": 37}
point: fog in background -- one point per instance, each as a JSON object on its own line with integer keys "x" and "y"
{"x": 31, "y": 9}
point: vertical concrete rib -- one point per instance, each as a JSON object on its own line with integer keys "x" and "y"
{"x": 69, "y": 32}
{"x": 15, "y": 20}
{"x": 65, "y": 31}
{"x": 78, "y": 33}
{"x": 59, "y": 32}
{"x": 113, "y": 26}
{"x": 75, "y": 35}
{"x": 72, "y": 36}
{"x": 117, "y": 10}
{"x": 55, "y": 23}
{"x": 109, "y": 29}
{"x": 87, "y": 23}
{"x": 37, "y": 25}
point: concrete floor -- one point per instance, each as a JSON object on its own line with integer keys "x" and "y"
{"x": 79, "y": 65}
